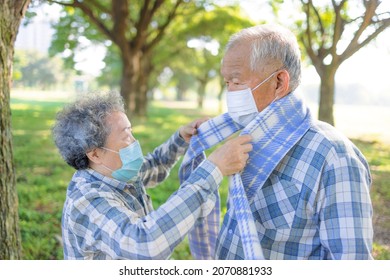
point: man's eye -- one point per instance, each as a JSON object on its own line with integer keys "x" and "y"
{"x": 233, "y": 83}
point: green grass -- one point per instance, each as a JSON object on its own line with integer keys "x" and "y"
{"x": 378, "y": 156}
{"x": 42, "y": 176}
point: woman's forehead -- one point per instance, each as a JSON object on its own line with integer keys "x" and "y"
{"x": 118, "y": 121}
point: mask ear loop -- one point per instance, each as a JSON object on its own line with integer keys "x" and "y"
{"x": 107, "y": 168}
{"x": 253, "y": 89}
{"x": 270, "y": 76}
{"x": 275, "y": 99}
{"x": 107, "y": 149}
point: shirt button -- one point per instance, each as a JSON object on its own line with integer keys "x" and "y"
{"x": 230, "y": 231}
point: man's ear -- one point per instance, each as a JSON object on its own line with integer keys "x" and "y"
{"x": 282, "y": 84}
{"x": 94, "y": 155}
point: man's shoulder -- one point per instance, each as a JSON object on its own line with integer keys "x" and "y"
{"x": 329, "y": 141}
{"x": 328, "y": 136}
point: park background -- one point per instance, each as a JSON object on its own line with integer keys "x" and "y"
{"x": 361, "y": 112}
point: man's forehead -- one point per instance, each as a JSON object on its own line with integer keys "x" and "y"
{"x": 236, "y": 73}
{"x": 235, "y": 67}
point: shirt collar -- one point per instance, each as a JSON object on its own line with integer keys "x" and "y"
{"x": 109, "y": 181}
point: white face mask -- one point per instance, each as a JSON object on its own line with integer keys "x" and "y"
{"x": 241, "y": 104}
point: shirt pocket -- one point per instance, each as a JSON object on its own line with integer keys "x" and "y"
{"x": 274, "y": 205}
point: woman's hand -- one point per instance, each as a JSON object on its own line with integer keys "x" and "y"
{"x": 187, "y": 131}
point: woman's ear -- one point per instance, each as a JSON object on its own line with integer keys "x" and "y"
{"x": 282, "y": 84}
{"x": 95, "y": 155}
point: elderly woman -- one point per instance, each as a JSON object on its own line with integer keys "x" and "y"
{"x": 107, "y": 213}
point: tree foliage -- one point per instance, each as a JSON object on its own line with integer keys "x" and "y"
{"x": 134, "y": 27}
{"x": 144, "y": 37}
{"x": 35, "y": 69}
{"x": 331, "y": 32}
{"x": 198, "y": 49}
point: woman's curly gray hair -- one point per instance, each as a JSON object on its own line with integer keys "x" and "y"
{"x": 81, "y": 126}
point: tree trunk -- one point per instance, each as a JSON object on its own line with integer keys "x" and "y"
{"x": 128, "y": 82}
{"x": 327, "y": 95}
{"x": 181, "y": 89}
{"x": 180, "y": 92}
{"x": 11, "y": 13}
{"x": 134, "y": 84}
{"x": 201, "y": 93}
{"x": 222, "y": 87}
{"x": 141, "y": 100}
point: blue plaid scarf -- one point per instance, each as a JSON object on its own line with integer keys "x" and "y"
{"x": 275, "y": 131}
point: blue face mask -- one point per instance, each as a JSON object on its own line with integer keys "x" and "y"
{"x": 132, "y": 158}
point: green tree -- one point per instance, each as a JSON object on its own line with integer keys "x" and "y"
{"x": 20, "y": 61}
{"x": 333, "y": 31}
{"x": 111, "y": 73}
{"x": 134, "y": 27}
{"x": 200, "y": 48}
{"x": 35, "y": 69}
{"x": 11, "y": 14}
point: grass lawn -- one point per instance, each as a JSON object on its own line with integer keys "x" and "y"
{"x": 42, "y": 176}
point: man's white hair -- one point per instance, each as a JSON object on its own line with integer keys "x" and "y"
{"x": 271, "y": 44}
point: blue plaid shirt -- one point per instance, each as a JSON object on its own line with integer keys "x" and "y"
{"x": 314, "y": 205}
{"x": 107, "y": 219}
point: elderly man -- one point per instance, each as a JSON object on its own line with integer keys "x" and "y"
{"x": 304, "y": 193}
{"x": 107, "y": 213}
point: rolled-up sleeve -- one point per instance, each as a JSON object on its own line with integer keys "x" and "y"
{"x": 158, "y": 164}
